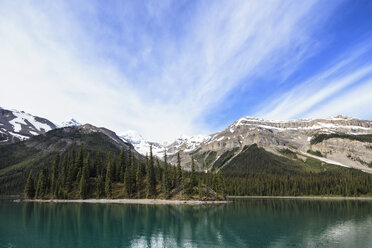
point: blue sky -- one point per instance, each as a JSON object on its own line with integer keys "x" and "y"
{"x": 167, "y": 68}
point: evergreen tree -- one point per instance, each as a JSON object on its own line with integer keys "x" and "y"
{"x": 127, "y": 183}
{"x": 139, "y": 181}
{"x": 100, "y": 187}
{"x": 58, "y": 191}
{"x": 84, "y": 179}
{"x": 122, "y": 164}
{"x": 79, "y": 163}
{"x": 114, "y": 170}
{"x": 54, "y": 176}
{"x": 86, "y": 166}
{"x": 64, "y": 170}
{"x": 72, "y": 170}
{"x": 83, "y": 192}
{"x": 185, "y": 182}
{"x": 42, "y": 184}
{"x": 192, "y": 175}
{"x": 30, "y": 186}
{"x": 133, "y": 173}
{"x": 179, "y": 170}
{"x": 158, "y": 171}
{"x": 200, "y": 189}
{"x": 150, "y": 177}
{"x": 98, "y": 164}
{"x": 108, "y": 181}
{"x": 165, "y": 178}
{"x": 130, "y": 178}
{"x": 173, "y": 177}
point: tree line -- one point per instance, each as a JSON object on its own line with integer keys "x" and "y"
{"x": 77, "y": 175}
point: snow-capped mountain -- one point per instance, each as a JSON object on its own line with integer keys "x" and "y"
{"x": 295, "y": 135}
{"x": 187, "y": 143}
{"x": 184, "y": 143}
{"x": 17, "y": 125}
{"x": 70, "y": 123}
{"x": 141, "y": 144}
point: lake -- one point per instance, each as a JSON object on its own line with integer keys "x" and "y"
{"x": 242, "y": 223}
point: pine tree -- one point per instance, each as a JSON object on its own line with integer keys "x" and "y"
{"x": 127, "y": 183}
{"x": 130, "y": 178}
{"x": 58, "y": 191}
{"x": 192, "y": 175}
{"x": 165, "y": 177}
{"x": 84, "y": 179}
{"x": 113, "y": 168}
{"x": 122, "y": 164}
{"x": 86, "y": 166}
{"x": 200, "y": 189}
{"x": 41, "y": 189}
{"x": 64, "y": 170}
{"x": 108, "y": 181}
{"x": 72, "y": 170}
{"x": 100, "y": 187}
{"x": 54, "y": 176}
{"x": 133, "y": 173}
{"x": 150, "y": 177}
{"x": 179, "y": 170}
{"x": 139, "y": 181}
{"x": 158, "y": 171}
{"x": 184, "y": 182}
{"x": 173, "y": 176}
{"x": 83, "y": 187}
{"x": 30, "y": 186}
{"x": 98, "y": 164}
{"x": 79, "y": 163}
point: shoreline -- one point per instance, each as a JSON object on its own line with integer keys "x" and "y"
{"x": 128, "y": 201}
{"x": 304, "y": 197}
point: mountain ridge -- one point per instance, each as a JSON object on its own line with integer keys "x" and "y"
{"x": 272, "y": 135}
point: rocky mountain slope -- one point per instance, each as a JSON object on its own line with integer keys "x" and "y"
{"x": 273, "y": 136}
{"x": 18, "y": 125}
{"x": 295, "y": 135}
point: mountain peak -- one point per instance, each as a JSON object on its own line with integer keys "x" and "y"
{"x": 18, "y": 125}
{"x": 69, "y": 123}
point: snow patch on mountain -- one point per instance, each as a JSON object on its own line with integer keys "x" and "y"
{"x": 21, "y": 118}
{"x": 184, "y": 143}
{"x": 70, "y": 123}
{"x": 141, "y": 144}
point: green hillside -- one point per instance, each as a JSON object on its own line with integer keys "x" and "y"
{"x": 255, "y": 171}
{"x": 16, "y": 160}
{"x": 362, "y": 137}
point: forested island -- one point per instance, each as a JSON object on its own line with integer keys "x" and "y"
{"x": 116, "y": 176}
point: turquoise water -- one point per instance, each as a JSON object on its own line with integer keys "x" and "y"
{"x": 243, "y": 223}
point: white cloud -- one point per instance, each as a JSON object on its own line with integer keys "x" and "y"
{"x": 50, "y": 64}
{"x": 331, "y": 92}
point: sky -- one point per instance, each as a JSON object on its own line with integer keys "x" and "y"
{"x": 172, "y": 68}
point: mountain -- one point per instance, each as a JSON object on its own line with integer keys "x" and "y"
{"x": 18, "y": 125}
{"x": 69, "y": 123}
{"x": 36, "y": 153}
{"x": 349, "y": 148}
{"x": 184, "y": 143}
{"x": 142, "y": 145}
{"x": 295, "y": 135}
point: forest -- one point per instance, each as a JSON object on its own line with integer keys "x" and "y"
{"x": 77, "y": 175}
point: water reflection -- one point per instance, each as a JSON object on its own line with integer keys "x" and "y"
{"x": 252, "y": 223}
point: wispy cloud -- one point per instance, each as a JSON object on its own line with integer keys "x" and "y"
{"x": 154, "y": 67}
{"x": 331, "y": 92}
